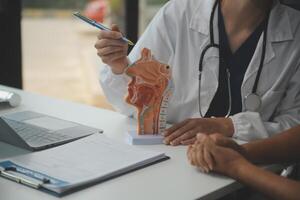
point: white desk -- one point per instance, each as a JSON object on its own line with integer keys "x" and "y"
{"x": 171, "y": 179}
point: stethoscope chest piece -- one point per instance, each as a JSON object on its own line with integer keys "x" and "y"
{"x": 252, "y": 102}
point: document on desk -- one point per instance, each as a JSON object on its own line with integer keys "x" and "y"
{"x": 75, "y": 165}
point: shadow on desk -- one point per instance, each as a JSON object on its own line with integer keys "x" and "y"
{"x": 245, "y": 193}
{"x": 7, "y": 151}
{"x": 4, "y": 106}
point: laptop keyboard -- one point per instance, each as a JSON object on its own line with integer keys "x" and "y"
{"x": 33, "y": 134}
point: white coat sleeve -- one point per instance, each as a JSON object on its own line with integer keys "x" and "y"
{"x": 250, "y": 126}
{"x": 158, "y": 39}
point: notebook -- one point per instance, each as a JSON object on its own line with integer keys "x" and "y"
{"x": 73, "y": 166}
{"x": 35, "y": 131}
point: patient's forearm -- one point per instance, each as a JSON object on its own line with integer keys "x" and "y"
{"x": 267, "y": 183}
{"x": 284, "y": 147}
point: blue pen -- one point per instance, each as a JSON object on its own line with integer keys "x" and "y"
{"x": 98, "y": 25}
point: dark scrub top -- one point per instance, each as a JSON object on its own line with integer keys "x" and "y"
{"x": 237, "y": 63}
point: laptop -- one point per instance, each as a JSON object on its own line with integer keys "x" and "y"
{"x": 35, "y": 131}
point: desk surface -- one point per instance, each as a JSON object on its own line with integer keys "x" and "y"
{"x": 172, "y": 179}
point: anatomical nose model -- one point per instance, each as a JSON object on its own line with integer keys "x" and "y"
{"x": 149, "y": 91}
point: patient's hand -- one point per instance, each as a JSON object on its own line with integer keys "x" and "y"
{"x": 227, "y": 142}
{"x": 208, "y": 156}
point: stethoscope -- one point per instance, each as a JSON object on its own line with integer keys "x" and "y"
{"x": 252, "y": 101}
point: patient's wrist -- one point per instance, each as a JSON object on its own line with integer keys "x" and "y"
{"x": 239, "y": 169}
{"x": 248, "y": 153}
{"x": 225, "y": 126}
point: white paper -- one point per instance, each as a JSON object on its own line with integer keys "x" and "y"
{"x": 86, "y": 159}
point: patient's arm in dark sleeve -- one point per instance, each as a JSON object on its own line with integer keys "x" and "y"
{"x": 284, "y": 147}
{"x": 269, "y": 184}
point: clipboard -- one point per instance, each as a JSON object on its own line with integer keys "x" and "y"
{"x": 30, "y": 178}
{"x": 17, "y": 169}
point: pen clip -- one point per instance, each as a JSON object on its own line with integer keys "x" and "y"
{"x": 34, "y": 184}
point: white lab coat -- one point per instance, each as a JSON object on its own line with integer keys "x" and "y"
{"x": 177, "y": 36}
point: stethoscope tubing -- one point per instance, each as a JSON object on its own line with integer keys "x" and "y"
{"x": 217, "y": 46}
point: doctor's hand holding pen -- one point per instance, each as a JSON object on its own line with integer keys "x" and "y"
{"x": 184, "y": 133}
{"x": 112, "y": 49}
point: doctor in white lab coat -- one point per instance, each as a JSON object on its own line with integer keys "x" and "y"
{"x": 177, "y": 35}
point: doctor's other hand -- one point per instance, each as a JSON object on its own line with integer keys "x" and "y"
{"x": 208, "y": 156}
{"x": 112, "y": 50}
{"x": 185, "y": 132}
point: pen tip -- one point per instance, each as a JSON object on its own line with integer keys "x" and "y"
{"x": 76, "y": 13}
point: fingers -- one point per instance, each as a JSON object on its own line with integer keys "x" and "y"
{"x": 189, "y": 135}
{"x": 189, "y": 154}
{"x": 184, "y": 129}
{"x": 219, "y": 139}
{"x": 189, "y": 141}
{"x": 199, "y": 153}
{"x": 228, "y": 142}
{"x": 104, "y": 34}
{"x": 201, "y": 137}
{"x": 114, "y": 27}
{"x": 109, "y": 50}
{"x": 197, "y": 157}
{"x": 170, "y": 130}
{"x": 209, "y": 146}
{"x": 191, "y": 125}
{"x": 192, "y": 155}
{"x": 110, "y": 36}
{"x": 200, "y": 162}
{"x": 209, "y": 156}
{"x": 112, "y": 57}
{"x": 109, "y": 46}
{"x": 102, "y": 43}
{"x": 208, "y": 159}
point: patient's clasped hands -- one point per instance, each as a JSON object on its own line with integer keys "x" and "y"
{"x": 218, "y": 154}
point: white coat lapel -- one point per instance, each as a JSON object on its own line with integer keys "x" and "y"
{"x": 210, "y": 77}
{"x": 279, "y": 30}
{"x": 252, "y": 69}
{"x": 210, "y": 71}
